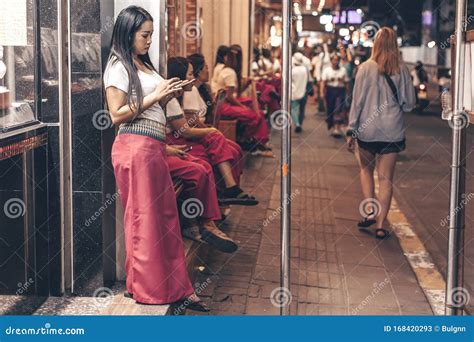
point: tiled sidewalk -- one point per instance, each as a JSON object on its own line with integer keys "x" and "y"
{"x": 336, "y": 269}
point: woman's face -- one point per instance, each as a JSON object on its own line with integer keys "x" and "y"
{"x": 335, "y": 62}
{"x": 142, "y": 39}
{"x": 204, "y": 74}
{"x": 189, "y": 77}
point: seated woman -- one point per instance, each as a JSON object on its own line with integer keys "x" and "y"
{"x": 199, "y": 189}
{"x": 255, "y": 130}
{"x": 198, "y": 103}
{"x": 204, "y": 142}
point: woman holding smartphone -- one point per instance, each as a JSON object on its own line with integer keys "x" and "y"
{"x": 136, "y": 95}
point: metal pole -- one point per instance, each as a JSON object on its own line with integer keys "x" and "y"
{"x": 455, "y": 272}
{"x": 65, "y": 145}
{"x": 251, "y": 35}
{"x": 285, "y": 155}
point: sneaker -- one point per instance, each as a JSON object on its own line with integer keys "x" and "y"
{"x": 337, "y": 133}
{"x": 298, "y": 129}
{"x": 192, "y": 233}
{"x": 216, "y": 238}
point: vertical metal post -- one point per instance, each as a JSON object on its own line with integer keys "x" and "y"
{"x": 285, "y": 154}
{"x": 251, "y": 35}
{"x": 65, "y": 144}
{"x": 455, "y": 271}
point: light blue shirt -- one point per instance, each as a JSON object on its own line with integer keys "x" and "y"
{"x": 375, "y": 115}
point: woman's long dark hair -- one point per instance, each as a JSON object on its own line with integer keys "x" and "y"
{"x": 236, "y": 52}
{"x": 198, "y": 62}
{"x": 222, "y": 51}
{"x": 127, "y": 24}
{"x": 178, "y": 67}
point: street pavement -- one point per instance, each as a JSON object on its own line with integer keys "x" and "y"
{"x": 336, "y": 269}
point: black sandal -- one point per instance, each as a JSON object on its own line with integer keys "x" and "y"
{"x": 385, "y": 235}
{"x": 237, "y": 196}
{"x": 190, "y": 304}
{"x": 366, "y": 222}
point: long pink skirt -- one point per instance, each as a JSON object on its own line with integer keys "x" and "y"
{"x": 155, "y": 263}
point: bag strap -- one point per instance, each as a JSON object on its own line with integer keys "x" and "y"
{"x": 392, "y": 86}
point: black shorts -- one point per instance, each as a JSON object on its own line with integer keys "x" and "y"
{"x": 382, "y": 147}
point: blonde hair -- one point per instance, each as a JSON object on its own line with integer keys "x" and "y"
{"x": 385, "y": 51}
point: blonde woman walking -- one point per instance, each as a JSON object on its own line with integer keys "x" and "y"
{"x": 383, "y": 91}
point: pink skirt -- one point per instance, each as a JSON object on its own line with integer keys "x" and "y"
{"x": 155, "y": 262}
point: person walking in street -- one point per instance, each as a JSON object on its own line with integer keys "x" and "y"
{"x": 383, "y": 91}
{"x": 334, "y": 86}
{"x": 136, "y": 97}
{"x": 299, "y": 80}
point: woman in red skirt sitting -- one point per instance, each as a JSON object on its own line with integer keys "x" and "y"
{"x": 255, "y": 131}
{"x": 136, "y": 95}
{"x": 206, "y": 142}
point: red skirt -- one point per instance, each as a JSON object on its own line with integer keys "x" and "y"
{"x": 255, "y": 127}
{"x": 155, "y": 262}
{"x": 214, "y": 148}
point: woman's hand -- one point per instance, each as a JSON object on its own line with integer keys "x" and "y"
{"x": 211, "y": 130}
{"x": 167, "y": 89}
{"x": 176, "y": 151}
{"x": 350, "y": 141}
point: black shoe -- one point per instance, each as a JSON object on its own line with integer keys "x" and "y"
{"x": 298, "y": 129}
{"x": 218, "y": 239}
{"x": 236, "y": 196}
{"x": 382, "y": 234}
{"x": 366, "y": 223}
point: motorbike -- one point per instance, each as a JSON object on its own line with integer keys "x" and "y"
{"x": 421, "y": 97}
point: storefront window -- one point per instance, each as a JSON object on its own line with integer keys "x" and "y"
{"x": 17, "y": 64}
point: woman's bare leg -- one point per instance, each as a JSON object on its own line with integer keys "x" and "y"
{"x": 367, "y": 165}
{"x": 225, "y": 168}
{"x": 385, "y": 172}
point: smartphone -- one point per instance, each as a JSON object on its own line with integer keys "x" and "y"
{"x": 185, "y": 83}
{"x": 188, "y": 148}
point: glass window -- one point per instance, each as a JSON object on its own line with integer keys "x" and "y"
{"x": 17, "y": 65}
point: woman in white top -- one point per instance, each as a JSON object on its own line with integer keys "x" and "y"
{"x": 208, "y": 144}
{"x": 255, "y": 131}
{"x": 334, "y": 87}
{"x": 136, "y": 95}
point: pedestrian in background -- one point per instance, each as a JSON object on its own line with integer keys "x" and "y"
{"x": 334, "y": 86}
{"x": 299, "y": 81}
{"x": 383, "y": 90}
